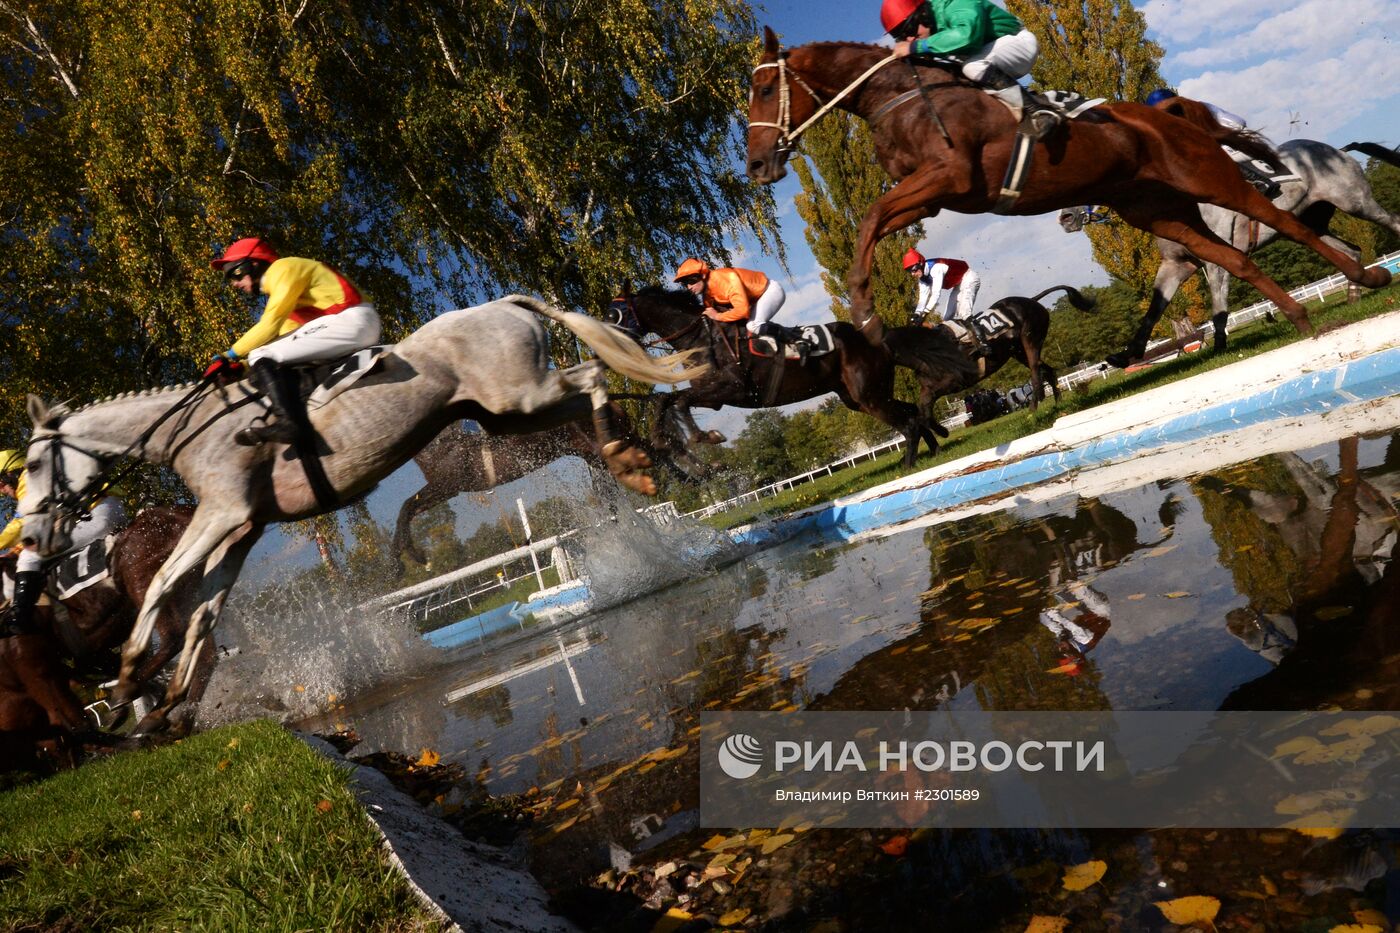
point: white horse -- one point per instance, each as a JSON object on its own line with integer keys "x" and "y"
{"x": 1329, "y": 181}
{"x": 487, "y": 363}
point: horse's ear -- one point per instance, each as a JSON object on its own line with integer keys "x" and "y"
{"x": 627, "y": 288}
{"x": 770, "y": 41}
{"x": 40, "y": 414}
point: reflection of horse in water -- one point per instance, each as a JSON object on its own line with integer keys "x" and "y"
{"x": 1152, "y": 167}
{"x": 1323, "y": 601}
{"x": 36, "y": 701}
{"x": 458, "y": 461}
{"x": 1329, "y": 181}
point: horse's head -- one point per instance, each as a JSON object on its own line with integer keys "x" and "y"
{"x": 778, "y": 101}
{"x": 61, "y": 478}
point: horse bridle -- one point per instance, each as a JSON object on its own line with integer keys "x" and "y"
{"x": 68, "y": 502}
{"x": 787, "y": 135}
{"x": 630, "y": 305}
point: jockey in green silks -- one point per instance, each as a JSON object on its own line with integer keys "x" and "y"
{"x": 994, "y": 47}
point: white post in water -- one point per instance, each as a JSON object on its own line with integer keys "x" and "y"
{"x": 534, "y": 558}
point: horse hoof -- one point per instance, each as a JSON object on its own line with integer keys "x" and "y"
{"x": 1120, "y": 360}
{"x": 638, "y": 482}
{"x": 1375, "y": 277}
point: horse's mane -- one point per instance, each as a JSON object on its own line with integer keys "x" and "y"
{"x": 680, "y": 299}
{"x": 135, "y": 393}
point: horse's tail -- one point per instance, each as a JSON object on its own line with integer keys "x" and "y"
{"x": 1375, "y": 151}
{"x": 616, "y": 348}
{"x": 1076, "y": 298}
{"x": 930, "y": 351}
{"x": 1246, "y": 141}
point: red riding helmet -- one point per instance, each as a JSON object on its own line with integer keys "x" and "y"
{"x": 894, "y": 12}
{"x": 691, "y": 266}
{"x": 912, "y": 260}
{"x": 247, "y": 248}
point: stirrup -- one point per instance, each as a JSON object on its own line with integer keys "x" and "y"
{"x": 275, "y": 431}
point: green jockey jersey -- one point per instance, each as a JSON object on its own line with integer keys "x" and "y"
{"x": 963, "y": 26}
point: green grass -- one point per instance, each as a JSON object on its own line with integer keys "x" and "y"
{"x": 220, "y": 831}
{"x": 1257, "y": 339}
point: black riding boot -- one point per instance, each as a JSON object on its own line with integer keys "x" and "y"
{"x": 1044, "y": 120}
{"x": 29, "y": 586}
{"x": 280, "y": 389}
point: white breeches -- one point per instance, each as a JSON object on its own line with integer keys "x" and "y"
{"x": 958, "y": 302}
{"x": 766, "y": 306}
{"x": 326, "y": 338}
{"x": 1013, "y": 55}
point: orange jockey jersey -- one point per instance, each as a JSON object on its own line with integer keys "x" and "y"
{"x": 734, "y": 289}
{"x": 298, "y": 291}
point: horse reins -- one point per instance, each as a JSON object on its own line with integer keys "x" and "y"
{"x": 72, "y": 501}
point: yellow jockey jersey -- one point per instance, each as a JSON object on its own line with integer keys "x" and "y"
{"x": 298, "y": 291}
{"x": 10, "y": 537}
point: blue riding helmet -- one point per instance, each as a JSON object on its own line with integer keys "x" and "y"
{"x": 1159, "y": 95}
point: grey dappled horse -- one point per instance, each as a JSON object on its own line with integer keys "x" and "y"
{"x": 1329, "y": 181}
{"x": 487, "y": 363}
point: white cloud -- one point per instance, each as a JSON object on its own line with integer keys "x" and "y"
{"x": 1180, "y": 21}
{"x": 1318, "y": 27}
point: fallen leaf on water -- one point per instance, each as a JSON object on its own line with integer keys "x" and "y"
{"x": 1370, "y": 726}
{"x": 1269, "y": 887}
{"x": 1159, "y": 551}
{"x": 714, "y": 842}
{"x": 324, "y": 806}
{"x": 1185, "y": 911}
{"x": 1321, "y": 822}
{"x": 674, "y": 919}
{"x": 1357, "y": 928}
{"x": 427, "y": 759}
{"x": 1320, "y": 832}
{"x": 722, "y": 860}
{"x": 560, "y": 827}
{"x": 1079, "y": 877}
{"x": 1328, "y": 613}
{"x": 1137, "y": 596}
{"x": 571, "y": 802}
{"x": 896, "y": 846}
{"x": 1042, "y": 924}
{"x": 1374, "y": 917}
{"x": 774, "y": 843}
{"x": 1177, "y": 595}
{"x": 1071, "y": 668}
{"x": 1349, "y": 750}
{"x": 1294, "y": 746}
{"x": 735, "y": 916}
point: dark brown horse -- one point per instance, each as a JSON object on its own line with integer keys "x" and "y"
{"x": 456, "y": 462}
{"x": 1151, "y": 167}
{"x": 1023, "y": 342}
{"x": 36, "y": 699}
{"x": 859, "y": 372}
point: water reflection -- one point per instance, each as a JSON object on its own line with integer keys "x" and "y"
{"x": 1268, "y": 585}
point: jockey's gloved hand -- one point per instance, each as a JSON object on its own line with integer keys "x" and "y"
{"x": 224, "y": 369}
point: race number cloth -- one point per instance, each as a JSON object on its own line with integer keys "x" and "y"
{"x": 331, "y": 379}
{"x": 79, "y": 570}
{"x": 817, "y": 336}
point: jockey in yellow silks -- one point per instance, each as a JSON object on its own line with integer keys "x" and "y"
{"x": 313, "y": 314}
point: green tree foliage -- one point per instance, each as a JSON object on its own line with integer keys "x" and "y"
{"x": 1385, "y": 185}
{"x": 761, "y": 449}
{"x": 436, "y": 151}
{"x": 1100, "y": 49}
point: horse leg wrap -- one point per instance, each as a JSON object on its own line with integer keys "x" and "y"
{"x": 602, "y": 424}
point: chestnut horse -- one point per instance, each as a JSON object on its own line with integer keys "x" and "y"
{"x": 36, "y": 701}
{"x": 859, "y": 372}
{"x": 1151, "y": 167}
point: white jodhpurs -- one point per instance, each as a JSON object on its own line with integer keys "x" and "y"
{"x": 958, "y": 303}
{"x": 766, "y": 306}
{"x": 326, "y": 338}
{"x": 1014, "y": 55}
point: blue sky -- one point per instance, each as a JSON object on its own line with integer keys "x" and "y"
{"x": 1316, "y": 69}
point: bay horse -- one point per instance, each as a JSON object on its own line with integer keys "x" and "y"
{"x": 458, "y": 461}
{"x": 37, "y": 702}
{"x": 490, "y": 364}
{"x": 859, "y": 372}
{"x": 1023, "y": 342}
{"x": 1328, "y": 181}
{"x": 947, "y": 144}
